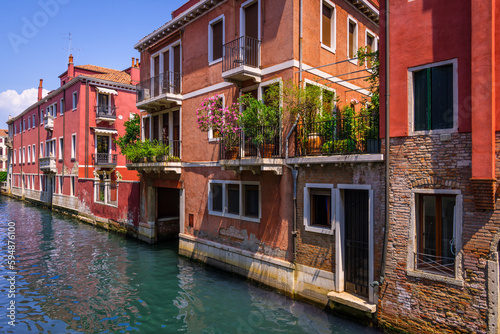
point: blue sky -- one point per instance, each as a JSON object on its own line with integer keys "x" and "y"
{"x": 34, "y": 41}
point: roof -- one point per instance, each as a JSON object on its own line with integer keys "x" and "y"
{"x": 96, "y": 68}
{"x": 3, "y": 133}
{"x": 107, "y": 74}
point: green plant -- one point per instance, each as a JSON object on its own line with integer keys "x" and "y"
{"x": 3, "y": 176}
{"x": 261, "y": 119}
{"x": 365, "y": 55}
{"x": 132, "y": 133}
{"x": 101, "y": 196}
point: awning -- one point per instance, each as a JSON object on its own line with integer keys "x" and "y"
{"x": 106, "y": 91}
{"x": 104, "y": 131}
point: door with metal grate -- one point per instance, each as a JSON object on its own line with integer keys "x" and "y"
{"x": 356, "y": 241}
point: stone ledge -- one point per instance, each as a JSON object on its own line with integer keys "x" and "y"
{"x": 347, "y": 299}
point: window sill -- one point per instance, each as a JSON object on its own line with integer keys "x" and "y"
{"x": 328, "y": 48}
{"x": 321, "y": 230}
{"x": 233, "y": 216}
{"x": 213, "y": 140}
{"x": 434, "y": 277}
{"x": 354, "y": 61}
{"x": 213, "y": 62}
{"x": 432, "y": 132}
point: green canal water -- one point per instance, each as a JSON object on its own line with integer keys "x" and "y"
{"x": 74, "y": 278}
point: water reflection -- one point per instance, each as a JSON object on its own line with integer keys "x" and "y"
{"x": 73, "y": 278}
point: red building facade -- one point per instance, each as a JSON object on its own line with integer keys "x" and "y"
{"x": 62, "y": 149}
{"x": 442, "y": 260}
{"x": 253, "y": 215}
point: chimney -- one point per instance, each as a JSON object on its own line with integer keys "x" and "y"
{"x": 71, "y": 68}
{"x": 40, "y": 90}
{"x": 135, "y": 72}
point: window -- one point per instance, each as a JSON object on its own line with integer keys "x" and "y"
{"x": 106, "y": 191}
{"x": 75, "y": 100}
{"x": 29, "y": 123}
{"x": 34, "y": 153}
{"x": 166, "y": 70}
{"x": 24, "y": 125}
{"x": 41, "y": 150}
{"x": 61, "y": 112}
{"x": 146, "y": 127}
{"x": 33, "y": 182}
{"x": 33, "y": 120}
{"x": 324, "y": 93}
{"x": 433, "y": 97}
{"x": 15, "y": 156}
{"x": 29, "y": 154}
{"x": 437, "y": 231}
{"x": 211, "y": 135}
{"x": 41, "y": 117}
{"x": 215, "y": 39}
{"x": 235, "y": 199}
{"x": 328, "y": 25}
{"x": 72, "y": 185}
{"x": 50, "y": 150}
{"x": 73, "y": 146}
{"x": 24, "y": 155}
{"x": 61, "y": 182}
{"x": 318, "y": 204}
{"x": 61, "y": 148}
{"x": 54, "y": 109}
{"x": 371, "y": 41}
{"x": 20, "y": 156}
{"x": 352, "y": 40}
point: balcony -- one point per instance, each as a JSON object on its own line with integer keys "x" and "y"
{"x": 258, "y": 150}
{"x": 160, "y": 92}
{"x": 352, "y": 139}
{"x": 104, "y": 160}
{"x": 162, "y": 163}
{"x": 48, "y": 122}
{"x": 105, "y": 113}
{"x": 241, "y": 61}
{"x": 48, "y": 164}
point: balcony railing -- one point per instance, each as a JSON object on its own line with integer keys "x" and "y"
{"x": 352, "y": 135}
{"x": 263, "y": 142}
{"x": 48, "y": 164}
{"x": 243, "y": 51}
{"x": 48, "y": 122}
{"x": 105, "y": 111}
{"x": 164, "y": 83}
{"x": 104, "y": 159}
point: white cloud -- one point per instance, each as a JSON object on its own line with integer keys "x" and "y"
{"x": 12, "y": 103}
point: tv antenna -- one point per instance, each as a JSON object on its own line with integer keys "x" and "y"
{"x": 69, "y": 48}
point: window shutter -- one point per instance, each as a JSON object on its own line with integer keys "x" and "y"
{"x": 327, "y": 26}
{"x": 217, "y": 40}
{"x": 352, "y": 27}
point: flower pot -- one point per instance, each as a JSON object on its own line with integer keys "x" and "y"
{"x": 151, "y": 159}
{"x": 314, "y": 144}
{"x": 161, "y": 158}
{"x": 231, "y": 153}
{"x": 266, "y": 150}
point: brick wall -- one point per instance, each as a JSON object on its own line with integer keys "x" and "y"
{"x": 419, "y": 304}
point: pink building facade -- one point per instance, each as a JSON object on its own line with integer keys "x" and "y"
{"x": 62, "y": 149}
{"x": 253, "y": 215}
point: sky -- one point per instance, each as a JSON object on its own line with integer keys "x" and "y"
{"x": 34, "y": 41}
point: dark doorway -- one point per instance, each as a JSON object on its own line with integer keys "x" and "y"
{"x": 167, "y": 213}
{"x": 356, "y": 222}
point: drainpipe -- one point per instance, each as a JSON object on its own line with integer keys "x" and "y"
{"x": 387, "y": 144}
{"x": 295, "y": 174}
{"x": 300, "y": 42}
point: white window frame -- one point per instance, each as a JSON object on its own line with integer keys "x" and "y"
{"x": 356, "y": 38}
{"x": 218, "y": 19}
{"x": 210, "y": 131}
{"x": 170, "y": 49}
{"x": 411, "y": 111}
{"x": 323, "y": 87}
{"x": 33, "y": 121}
{"x": 24, "y": 125}
{"x": 41, "y": 117}
{"x": 307, "y": 208}
{"x": 224, "y": 212}
{"x": 29, "y": 154}
{"x": 73, "y": 146}
{"x": 110, "y": 142}
{"x": 107, "y": 189}
{"x": 242, "y": 18}
{"x": 457, "y": 234}
{"x": 60, "y": 184}
{"x": 75, "y": 99}
{"x": 333, "y": 27}
{"x": 40, "y": 153}
{"x": 61, "y": 148}
{"x": 143, "y": 132}
{"x": 33, "y": 151}
{"x": 72, "y": 184}
{"x": 375, "y": 39}
{"x": 33, "y": 182}
{"x": 15, "y": 155}
{"x": 24, "y": 155}
{"x": 61, "y": 111}
{"x": 29, "y": 123}
{"x": 50, "y": 148}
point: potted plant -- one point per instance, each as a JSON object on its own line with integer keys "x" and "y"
{"x": 261, "y": 120}
{"x": 225, "y": 121}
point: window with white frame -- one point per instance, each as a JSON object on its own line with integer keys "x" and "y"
{"x": 33, "y": 151}
{"x": 436, "y": 231}
{"x": 20, "y": 156}
{"x": 54, "y": 109}
{"x": 33, "y": 181}
{"x": 61, "y": 106}
{"x": 61, "y": 148}
{"x": 29, "y": 154}
{"x": 72, "y": 184}
{"x": 216, "y": 39}
{"x": 40, "y": 154}
{"x": 73, "y": 146}
{"x": 106, "y": 191}
{"x": 371, "y": 41}
{"x": 328, "y": 25}
{"x": 352, "y": 38}
{"x": 166, "y": 68}
{"x": 215, "y": 135}
{"x": 24, "y": 125}
{"x": 33, "y": 120}
{"x": 15, "y": 156}
{"x": 61, "y": 183}
{"x": 24, "y": 155}
{"x": 29, "y": 123}
{"x": 75, "y": 100}
{"x": 41, "y": 117}
{"x": 433, "y": 98}
{"x": 318, "y": 207}
{"x": 50, "y": 148}
{"x": 324, "y": 93}
{"x": 235, "y": 199}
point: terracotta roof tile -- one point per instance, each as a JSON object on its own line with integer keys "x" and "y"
{"x": 117, "y": 76}
{"x": 97, "y": 68}
{"x": 3, "y": 133}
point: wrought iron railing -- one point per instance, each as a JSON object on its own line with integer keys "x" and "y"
{"x": 260, "y": 142}
{"x": 104, "y": 159}
{"x": 351, "y": 135}
{"x": 105, "y": 111}
{"x": 164, "y": 83}
{"x": 437, "y": 264}
{"x": 241, "y": 51}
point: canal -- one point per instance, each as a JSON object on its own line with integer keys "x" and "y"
{"x": 74, "y": 278}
